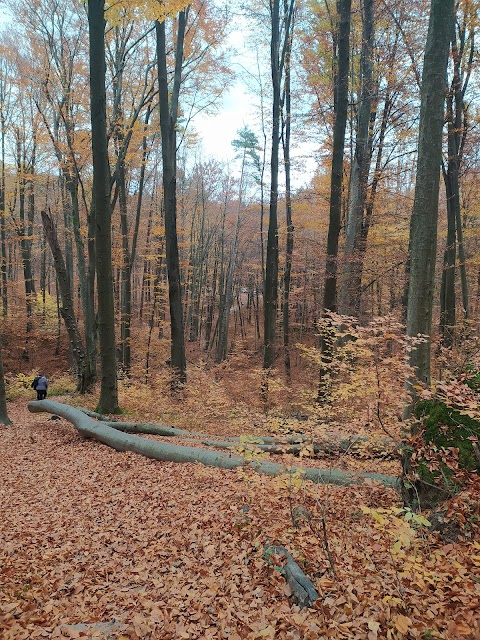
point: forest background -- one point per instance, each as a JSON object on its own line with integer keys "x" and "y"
{"x": 223, "y": 208}
{"x": 235, "y": 296}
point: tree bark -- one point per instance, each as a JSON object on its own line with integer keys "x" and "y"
{"x": 339, "y": 127}
{"x": 168, "y": 104}
{"x": 4, "y": 419}
{"x": 350, "y": 292}
{"x": 270, "y": 293}
{"x": 336, "y": 179}
{"x": 67, "y": 309}
{"x": 303, "y": 591}
{"x": 176, "y": 453}
{"x": 108, "y": 401}
{"x": 423, "y": 228}
{"x": 287, "y": 274}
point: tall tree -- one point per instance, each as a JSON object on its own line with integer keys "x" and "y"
{"x": 279, "y": 42}
{"x": 349, "y": 299}
{"x": 4, "y": 419}
{"x": 5, "y": 115}
{"x": 340, "y": 86}
{"x": 423, "y": 228}
{"x": 67, "y": 309}
{"x": 286, "y": 144}
{"x": 57, "y": 33}
{"x": 246, "y": 144}
{"x": 457, "y": 114}
{"x": 168, "y": 104}
{"x": 108, "y": 402}
{"x": 340, "y": 80}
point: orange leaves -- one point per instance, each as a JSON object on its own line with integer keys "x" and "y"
{"x": 92, "y": 537}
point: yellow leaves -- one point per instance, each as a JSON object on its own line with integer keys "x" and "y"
{"x": 120, "y": 10}
{"x": 291, "y": 480}
{"x": 392, "y": 600}
{"x": 402, "y": 623}
{"x": 268, "y": 632}
{"x": 307, "y": 451}
{"x": 398, "y": 524}
{"x": 248, "y": 449}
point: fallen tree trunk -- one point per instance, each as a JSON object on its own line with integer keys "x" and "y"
{"x": 333, "y": 447}
{"x": 303, "y": 591}
{"x": 166, "y": 451}
{"x": 162, "y": 430}
{"x": 293, "y": 444}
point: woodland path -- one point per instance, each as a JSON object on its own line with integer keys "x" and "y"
{"x": 160, "y": 550}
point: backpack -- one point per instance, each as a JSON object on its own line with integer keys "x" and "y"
{"x": 35, "y": 382}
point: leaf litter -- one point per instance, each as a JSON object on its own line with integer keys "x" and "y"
{"x": 100, "y": 544}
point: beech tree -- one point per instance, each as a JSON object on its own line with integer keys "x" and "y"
{"x": 457, "y": 117}
{"x": 246, "y": 145}
{"x": 6, "y": 72}
{"x": 423, "y": 229}
{"x": 102, "y": 213}
{"x": 340, "y": 82}
{"x": 281, "y": 25}
{"x": 4, "y": 419}
{"x": 340, "y": 85}
{"x": 57, "y": 34}
{"x": 349, "y": 303}
{"x": 168, "y": 104}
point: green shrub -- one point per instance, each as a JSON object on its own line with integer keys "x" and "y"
{"x": 446, "y": 427}
{"x": 473, "y": 378}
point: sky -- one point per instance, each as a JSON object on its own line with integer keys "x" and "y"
{"x": 240, "y": 107}
{"x": 237, "y": 109}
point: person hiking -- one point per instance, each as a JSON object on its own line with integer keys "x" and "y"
{"x": 35, "y": 382}
{"x": 41, "y": 388}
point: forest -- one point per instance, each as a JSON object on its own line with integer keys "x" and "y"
{"x": 263, "y": 361}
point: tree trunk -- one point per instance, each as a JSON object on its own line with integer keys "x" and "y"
{"x": 108, "y": 401}
{"x": 287, "y": 275}
{"x": 175, "y": 453}
{"x": 339, "y": 127}
{"x": 3, "y": 246}
{"x": 126, "y": 275}
{"x": 349, "y": 303}
{"x": 447, "y": 289}
{"x": 423, "y": 228}
{"x": 270, "y": 293}
{"x": 168, "y": 104}
{"x": 224, "y": 312}
{"x": 67, "y": 309}
{"x": 86, "y": 295}
{"x": 4, "y": 419}
{"x": 25, "y": 232}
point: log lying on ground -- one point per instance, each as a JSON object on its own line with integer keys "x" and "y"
{"x": 303, "y": 591}
{"x": 331, "y": 447}
{"x": 162, "y": 430}
{"x": 137, "y": 427}
{"x": 293, "y": 444}
{"x": 166, "y": 451}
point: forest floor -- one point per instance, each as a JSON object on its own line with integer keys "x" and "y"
{"x": 100, "y": 544}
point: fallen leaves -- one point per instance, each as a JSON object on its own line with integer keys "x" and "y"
{"x": 90, "y": 537}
